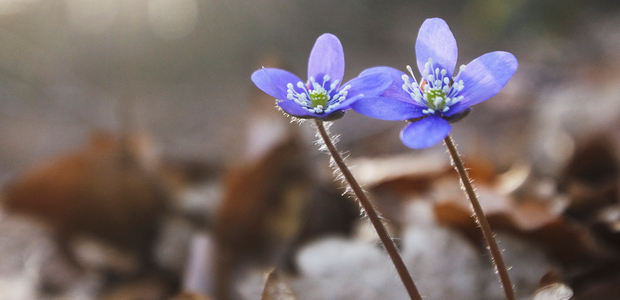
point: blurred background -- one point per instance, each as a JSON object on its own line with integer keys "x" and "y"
{"x": 138, "y": 161}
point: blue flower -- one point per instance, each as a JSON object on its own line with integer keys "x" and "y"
{"x": 431, "y": 103}
{"x": 322, "y": 96}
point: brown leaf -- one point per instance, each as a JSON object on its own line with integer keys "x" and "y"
{"x": 597, "y": 281}
{"x": 554, "y": 291}
{"x": 395, "y": 179}
{"x": 190, "y": 296}
{"x": 276, "y": 288}
{"x": 261, "y": 209}
{"x": 254, "y": 192}
{"x": 104, "y": 190}
{"x": 146, "y": 288}
{"x": 534, "y": 220}
{"x": 377, "y": 171}
{"x": 591, "y": 178}
{"x": 399, "y": 178}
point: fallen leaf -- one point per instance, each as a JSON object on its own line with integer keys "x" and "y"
{"x": 106, "y": 190}
{"x": 554, "y": 291}
{"x": 190, "y": 296}
{"x": 591, "y": 178}
{"x": 276, "y": 288}
{"x": 261, "y": 209}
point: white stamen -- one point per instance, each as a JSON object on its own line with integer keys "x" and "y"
{"x": 410, "y": 72}
{"x": 315, "y": 89}
{"x": 440, "y": 91}
{"x": 334, "y": 84}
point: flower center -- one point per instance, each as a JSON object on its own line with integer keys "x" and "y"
{"x": 319, "y": 97}
{"x": 315, "y": 98}
{"x": 436, "y": 98}
{"x": 437, "y": 92}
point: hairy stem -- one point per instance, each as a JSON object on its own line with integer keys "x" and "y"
{"x": 371, "y": 213}
{"x": 496, "y": 254}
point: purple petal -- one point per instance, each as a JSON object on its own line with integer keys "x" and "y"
{"x": 396, "y": 88}
{"x": 396, "y": 73}
{"x": 346, "y": 104}
{"x": 294, "y": 109}
{"x": 425, "y": 133}
{"x": 486, "y": 75}
{"x": 436, "y": 41}
{"x": 387, "y": 108}
{"x": 455, "y": 109}
{"x": 326, "y": 58}
{"x": 274, "y": 81}
{"x": 369, "y": 85}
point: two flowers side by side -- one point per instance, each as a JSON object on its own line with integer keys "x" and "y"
{"x": 430, "y": 103}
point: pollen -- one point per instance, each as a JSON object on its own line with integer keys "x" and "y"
{"x": 437, "y": 92}
{"x": 318, "y": 98}
{"x": 315, "y": 97}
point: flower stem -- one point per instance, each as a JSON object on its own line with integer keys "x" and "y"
{"x": 496, "y": 254}
{"x": 371, "y": 213}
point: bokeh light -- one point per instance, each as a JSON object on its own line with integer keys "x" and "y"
{"x": 172, "y": 19}
{"x": 9, "y": 7}
{"x": 92, "y": 16}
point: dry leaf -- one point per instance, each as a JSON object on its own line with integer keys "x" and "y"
{"x": 190, "y": 296}
{"x": 276, "y": 288}
{"x": 105, "y": 190}
{"x": 554, "y": 291}
{"x": 597, "y": 281}
{"x": 146, "y": 288}
{"x": 375, "y": 171}
{"x": 251, "y": 192}
{"x": 397, "y": 179}
{"x": 591, "y": 178}
{"x": 261, "y": 208}
{"x": 536, "y": 220}
{"x": 567, "y": 241}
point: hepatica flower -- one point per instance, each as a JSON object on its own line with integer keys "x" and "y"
{"x": 322, "y": 96}
{"x": 439, "y": 96}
